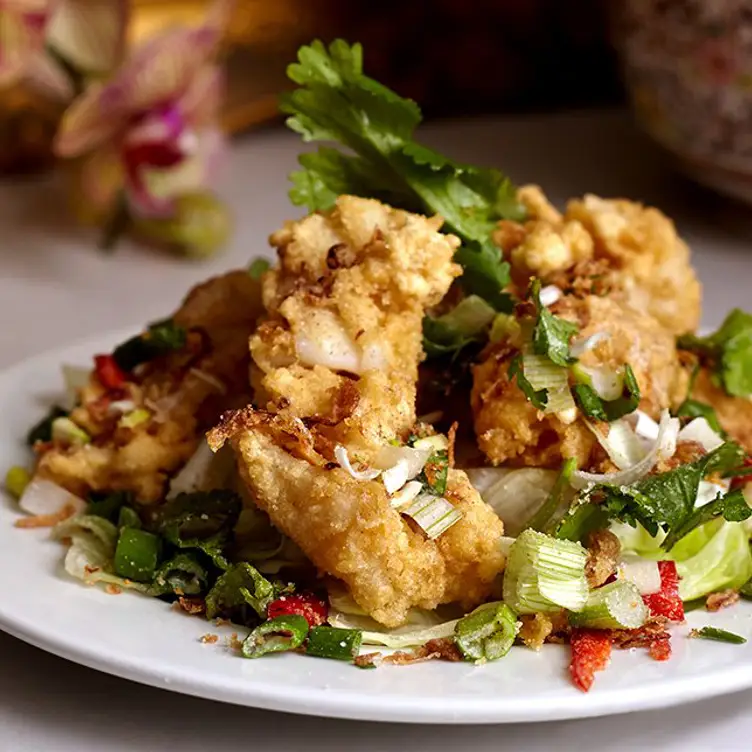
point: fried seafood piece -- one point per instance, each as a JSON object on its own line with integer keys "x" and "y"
{"x": 510, "y": 429}
{"x": 348, "y": 528}
{"x": 628, "y": 250}
{"x": 734, "y": 413}
{"x": 345, "y": 305}
{"x": 184, "y": 394}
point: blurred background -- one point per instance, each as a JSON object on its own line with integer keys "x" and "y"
{"x": 685, "y": 66}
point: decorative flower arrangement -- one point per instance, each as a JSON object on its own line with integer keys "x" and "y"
{"x": 140, "y": 135}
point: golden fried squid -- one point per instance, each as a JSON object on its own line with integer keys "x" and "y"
{"x": 510, "y": 429}
{"x": 179, "y": 395}
{"x": 625, "y": 249}
{"x": 335, "y": 365}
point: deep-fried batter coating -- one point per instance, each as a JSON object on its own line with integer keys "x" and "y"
{"x": 510, "y": 429}
{"x": 643, "y": 262}
{"x": 184, "y": 392}
{"x": 336, "y": 363}
{"x": 347, "y": 527}
{"x": 347, "y": 301}
{"x": 734, "y": 413}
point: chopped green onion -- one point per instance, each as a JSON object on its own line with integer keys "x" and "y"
{"x": 276, "y": 636}
{"x": 487, "y": 633}
{"x": 16, "y": 480}
{"x": 617, "y": 605}
{"x": 108, "y": 505}
{"x": 337, "y": 644}
{"x": 136, "y": 555}
{"x": 505, "y": 326}
{"x": 134, "y": 418}
{"x": 239, "y": 588}
{"x": 160, "y": 338}
{"x": 541, "y": 520}
{"x": 258, "y": 267}
{"x": 128, "y": 517}
{"x": 42, "y": 431}
{"x": 594, "y": 406}
{"x": 538, "y": 398}
{"x": 545, "y": 574}
{"x": 65, "y": 430}
{"x": 719, "y": 635}
{"x": 544, "y": 375}
{"x": 433, "y": 514}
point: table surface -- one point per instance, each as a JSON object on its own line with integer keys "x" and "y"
{"x": 56, "y": 287}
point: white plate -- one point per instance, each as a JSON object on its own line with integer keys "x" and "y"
{"x": 145, "y": 640}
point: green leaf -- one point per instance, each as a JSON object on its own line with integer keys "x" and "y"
{"x": 241, "y": 587}
{"x": 542, "y": 519}
{"x": 108, "y": 505}
{"x": 691, "y": 408}
{"x": 466, "y": 323}
{"x": 551, "y": 334}
{"x": 729, "y": 351}
{"x": 161, "y": 338}
{"x": 258, "y": 267}
{"x": 538, "y": 398}
{"x": 435, "y": 473}
{"x": 203, "y": 520}
{"x": 594, "y": 406}
{"x": 719, "y": 635}
{"x": 183, "y": 574}
{"x": 582, "y": 519}
{"x": 336, "y": 102}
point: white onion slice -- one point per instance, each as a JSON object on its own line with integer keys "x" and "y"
{"x": 549, "y": 295}
{"x": 607, "y": 382}
{"x": 120, "y": 407}
{"x": 396, "y": 476}
{"x": 621, "y": 443}
{"x": 643, "y": 573}
{"x": 414, "y": 458}
{"x": 204, "y": 471}
{"x": 664, "y": 447}
{"x": 42, "y": 497}
{"x": 406, "y": 494}
{"x": 645, "y": 426}
{"x": 209, "y": 379}
{"x": 344, "y": 460}
{"x": 585, "y": 344}
{"x": 699, "y": 430}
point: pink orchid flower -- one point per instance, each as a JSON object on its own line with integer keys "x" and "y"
{"x": 88, "y": 34}
{"x": 152, "y": 128}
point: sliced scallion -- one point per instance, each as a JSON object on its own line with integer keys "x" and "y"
{"x": 617, "y": 605}
{"x": 487, "y": 633}
{"x": 65, "y": 430}
{"x": 16, "y": 480}
{"x": 541, "y": 520}
{"x": 545, "y": 574}
{"x": 136, "y": 555}
{"x": 333, "y": 643}
{"x": 276, "y": 636}
{"x": 433, "y": 514}
{"x": 134, "y": 418}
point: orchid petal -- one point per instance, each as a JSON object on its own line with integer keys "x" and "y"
{"x": 164, "y": 68}
{"x": 87, "y": 122}
{"x": 200, "y": 104}
{"x": 47, "y": 75}
{"x": 90, "y": 33}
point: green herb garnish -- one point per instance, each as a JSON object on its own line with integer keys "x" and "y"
{"x": 42, "y": 431}
{"x": 241, "y": 593}
{"x": 336, "y": 102}
{"x": 594, "y": 406}
{"x": 276, "y": 636}
{"x": 551, "y": 334}
{"x": 161, "y": 338}
{"x": 719, "y": 635}
{"x": 539, "y": 398}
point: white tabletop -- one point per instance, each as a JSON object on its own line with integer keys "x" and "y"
{"x": 56, "y": 287}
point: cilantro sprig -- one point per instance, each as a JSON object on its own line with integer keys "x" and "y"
{"x": 729, "y": 352}
{"x": 336, "y": 102}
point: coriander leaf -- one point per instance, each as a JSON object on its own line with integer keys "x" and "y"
{"x": 538, "y": 398}
{"x": 729, "y": 351}
{"x": 594, "y": 406}
{"x": 667, "y": 500}
{"x": 582, "y": 519}
{"x": 435, "y": 472}
{"x": 241, "y": 587}
{"x": 551, "y": 334}
{"x": 160, "y": 338}
{"x": 467, "y": 322}
{"x": 336, "y": 102}
{"x": 732, "y": 507}
{"x": 691, "y": 408}
{"x": 183, "y": 574}
{"x": 42, "y": 431}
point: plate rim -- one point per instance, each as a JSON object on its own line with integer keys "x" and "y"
{"x": 337, "y": 703}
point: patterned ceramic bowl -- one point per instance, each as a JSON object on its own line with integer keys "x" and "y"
{"x": 688, "y": 69}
